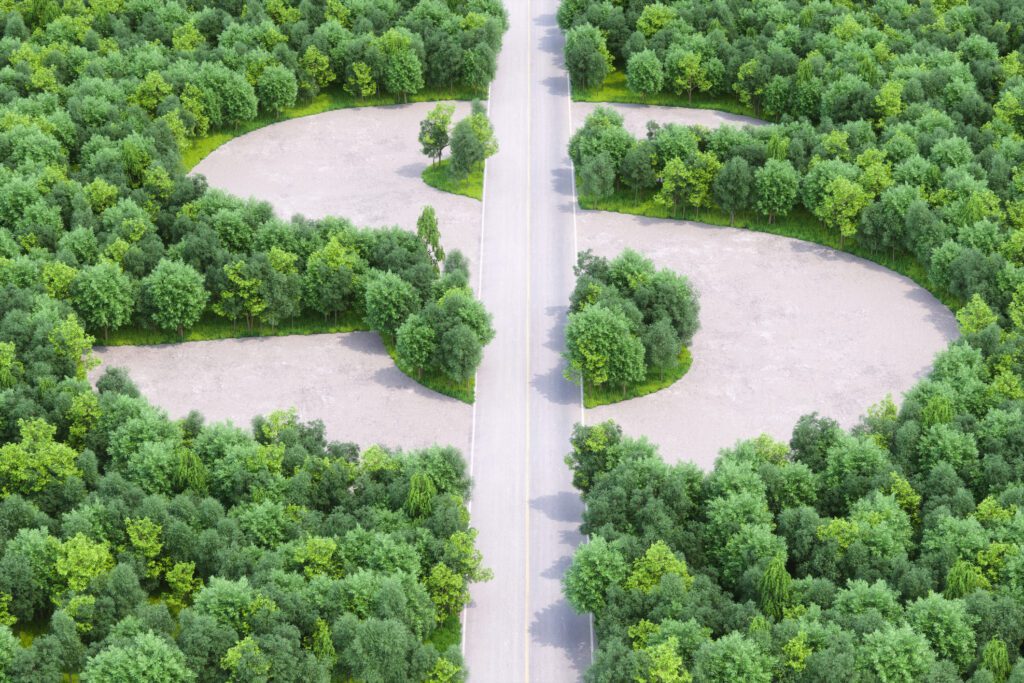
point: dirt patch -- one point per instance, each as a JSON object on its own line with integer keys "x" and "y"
{"x": 787, "y": 328}
{"x": 346, "y": 380}
{"x": 636, "y": 116}
{"x": 363, "y": 164}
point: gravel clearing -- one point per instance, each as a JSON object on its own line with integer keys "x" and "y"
{"x": 636, "y": 116}
{"x": 363, "y": 164}
{"x": 787, "y": 328}
{"x": 346, "y": 380}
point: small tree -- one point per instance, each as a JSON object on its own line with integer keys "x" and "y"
{"x": 389, "y": 301}
{"x": 360, "y": 83}
{"x": 276, "y": 88}
{"x": 103, "y": 296}
{"x": 586, "y": 56}
{"x": 644, "y": 74}
{"x": 174, "y": 295}
{"x": 601, "y": 348}
{"x": 674, "y": 179}
{"x": 427, "y": 231}
{"x": 775, "y": 587}
{"x": 662, "y": 345}
{"x": 472, "y": 142}
{"x": 841, "y": 206}
{"x": 732, "y": 187}
{"x": 776, "y": 183}
{"x": 416, "y": 343}
{"x": 597, "y": 176}
{"x": 435, "y": 131}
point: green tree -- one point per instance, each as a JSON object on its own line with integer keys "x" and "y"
{"x": 427, "y": 231}
{"x": 733, "y": 186}
{"x": 775, "y": 588}
{"x": 661, "y": 346}
{"x": 416, "y": 343}
{"x": 242, "y": 296}
{"x": 174, "y": 295}
{"x": 586, "y": 56}
{"x": 103, "y": 296}
{"x": 360, "y": 82}
{"x": 602, "y": 349}
{"x": 732, "y": 657}
{"x": 146, "y": 657}
{"x": 656, "y": 562}
{"x": 841, "y": 206}
{"x": 36, "y": 461}
{"x": 435, "y": 131}
{"x": 597, "y": 176}
{"x": 644, "y": 74}
{"x": 776, "y": 185}
{"x": 389, "y": 301}
{"x": 403, "y": 72}
{"x": 276, "y": 89}
{"x": 688, "y": 71}
{"x": 595, "y": 567}
{"x": 897, "y": 654}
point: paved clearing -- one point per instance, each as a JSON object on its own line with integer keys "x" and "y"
{"x": 636, "y": 116}
{"x": 346, "y": 380}
{"x": 362, "y": 163}
{"x": 787, "y": 328}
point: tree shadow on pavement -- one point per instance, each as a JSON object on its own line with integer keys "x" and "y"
{"x": 564, "y": 506}
{"x": 553, "y": 627}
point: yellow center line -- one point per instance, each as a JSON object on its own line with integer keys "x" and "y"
{"x": 526, "y": 599}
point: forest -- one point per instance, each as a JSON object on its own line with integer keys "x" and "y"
{"x": 899, "y": 128}
{"x": 136, "y": 547}
{"x": 629, "y": 327}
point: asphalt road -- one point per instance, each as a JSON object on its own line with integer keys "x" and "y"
{"x": 519, "y": 627}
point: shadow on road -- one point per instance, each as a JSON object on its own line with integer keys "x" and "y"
{"x": 550, "y": 628}
{"x": 564, "y": 506}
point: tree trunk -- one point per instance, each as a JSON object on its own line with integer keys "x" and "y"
{"x": 689, "y": 96}
{"x": 732, "y": 216}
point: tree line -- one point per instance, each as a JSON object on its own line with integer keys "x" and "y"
{"x": 890, "y": 551}
{"x": 898, "y": 129}
{"x": 135, "y": 547}
{"x": 627, "y": 320}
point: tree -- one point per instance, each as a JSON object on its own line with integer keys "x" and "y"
{"x": 276, "y": 89}
{"x": 637, "y": 169}
{"x": 602, "y": 349}
{"x": 775, "y": 588}
{"x": 332, "y": 278}
{"x": 597, "y": 177}
{"x": 732, "y": 657}
{"x": 462, "y": 353}
{"x": 37, "y": 461}
{"x": 389, "y": 301}
{"x": 472, "y": 142}
{"x": 175, "y": 295}
{"x": 644, "y": 74}
{"x": 841, "y": 206}
{"x": 687, "y": 71}
{"x": 595, "y": 567}
{"x": 897, "y": 654}
{"x": 586, "y": 56}
{"x": 242, "y": 295}
{"x": 146, "y": 656}
{"x": 360, "y": 82}
{"x": 416, "y": 343}
{"x": 403, "y": 72}
{"x": 662, "y": 346}
{"x": 776, "y": 184}
{"x": 674, "y": 179}
{"x": 426, "y": 230}
{"x": 103, "y": 296}
{"x": 732, "y": 187}
{"x": 435, "y": 131}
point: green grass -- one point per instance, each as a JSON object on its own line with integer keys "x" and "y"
{"x": 615, "y": 90}
{"x": 329, "y": 100}
{"x": 448, "y": 634}
{"x": 438, "y": 382}
{"x": 601, "y": 396}
{"x": 213, "y": 327}
{"x": 438, "y": 176}
{"x": 800, "y": 225}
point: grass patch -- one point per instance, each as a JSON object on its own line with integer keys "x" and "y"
{"x": 212, "y": 327}
{"x": 615, "y": 90}
{"x": 448, "y": 634}
{"x": 800, "y": 224}
{"x": 329, "y": 100}
{"x": 594, "y": 396}
{"x": 438, "y": 176}
{"x": 436, "y": 381}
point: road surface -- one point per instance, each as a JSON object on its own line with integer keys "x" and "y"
{"x": 518, "y": 626}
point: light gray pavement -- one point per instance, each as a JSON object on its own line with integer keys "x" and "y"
{"x": 519, "y": 627}
{"x": 787, "y": 328}
{"x": 363, "y": 164}
{"x": 636, "y": 116}
{"x": 346, "y": 380}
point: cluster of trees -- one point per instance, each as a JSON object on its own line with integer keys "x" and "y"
{"x": 472, "y": 139}
{"x": 627, "y": 320}
{"x": 900, "y": 125}
{"x": 135, "y": 547}
{"x": 892, "y": 551}
{"x": 97, "y": 103}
